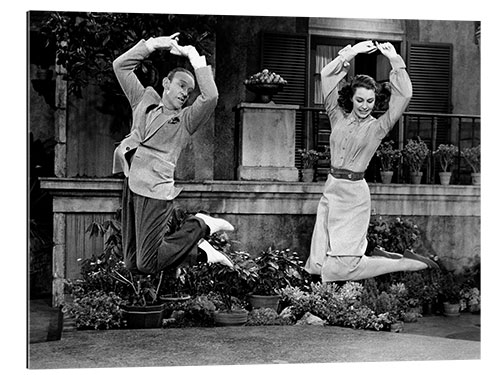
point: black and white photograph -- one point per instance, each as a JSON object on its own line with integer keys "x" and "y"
{"x": 223, "y": 189}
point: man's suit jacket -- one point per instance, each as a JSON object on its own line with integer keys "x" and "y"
{"x": 157, "y": 135}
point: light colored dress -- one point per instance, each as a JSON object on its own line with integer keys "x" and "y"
{"x": 343, "y": 214}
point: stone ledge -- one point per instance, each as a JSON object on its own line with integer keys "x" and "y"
{"x": 262, "y": 197}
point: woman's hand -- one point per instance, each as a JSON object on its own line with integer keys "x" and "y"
{"x": 365, "y": 47}
{"x": 387, "y": 49}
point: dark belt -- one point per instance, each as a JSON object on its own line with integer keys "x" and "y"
{"x": 347, "y": 174}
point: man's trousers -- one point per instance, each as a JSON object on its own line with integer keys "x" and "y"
{"x": 148, "y": 246}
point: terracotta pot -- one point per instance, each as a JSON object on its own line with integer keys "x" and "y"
{"x": 444, "y": 178}
{"x": 143, "y": 316}
{"x": 451, "y": 309}
{"x": 416, "y": 177}
{"x": 476, "y": 178}
{"x": 308, "y": 175}
{"x": 386, "y": 176}
{"x": 231, "y": 318}
{"x": 260, "y": 301}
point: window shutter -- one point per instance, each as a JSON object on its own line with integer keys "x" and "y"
{"x": 430, "y": 72}
{"x": 287, "y": 55}
{"x": 430, "y": 69}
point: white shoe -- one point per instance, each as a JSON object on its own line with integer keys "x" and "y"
{"x": 214, "y": 256}
{"x": 215, "y": 224}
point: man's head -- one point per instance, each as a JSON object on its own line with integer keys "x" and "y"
{"x": 177, "y": 86}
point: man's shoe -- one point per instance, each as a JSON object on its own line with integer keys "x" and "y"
{"x": 215, "y": 224}
{"x": 411, "y": 255}
{"x": 214, "y": 256}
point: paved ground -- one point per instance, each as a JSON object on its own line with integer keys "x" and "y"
{"x": 432, "y": 338}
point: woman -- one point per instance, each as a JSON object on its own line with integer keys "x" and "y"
{"x": 339, "y": 239}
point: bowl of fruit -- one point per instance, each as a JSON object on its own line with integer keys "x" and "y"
{"x": 265, "y": 84}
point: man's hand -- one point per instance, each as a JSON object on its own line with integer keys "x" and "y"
{"x": 387, "y": 49}
{"x": 188, "y": 51}
{"x": 365, "y": 47}
{"x": 163, "y": 42}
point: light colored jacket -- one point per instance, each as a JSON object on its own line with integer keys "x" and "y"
{"x": 157, "y": 135}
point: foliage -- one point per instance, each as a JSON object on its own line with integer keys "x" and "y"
{"x": 446, "y": 155}
{"x": 276, "y": 268}
{"x": 94, "y": 309}
{"x": 450, "y": 288}
{"x": 337, "y": 305}
{"x": 388, "y": 156}
{"x": 415, "y": 153}
{"x": 309, "y": 158}
{"x": 265, "y": 317}
{"x": 230, "y": 284}
{"x": 395, "y": 235}
{"x": 87, "y": 43}
{"x": 470, "y": 298}
{"x": 472, "y": 156}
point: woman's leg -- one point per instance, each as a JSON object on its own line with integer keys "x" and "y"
{"x": 320, "y": 239}
{"x": 375, "y": 266}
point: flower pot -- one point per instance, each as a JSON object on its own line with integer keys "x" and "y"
{"x": 397, "y": 326}
{"x": 416, "y": 177}
{"x": 260, "y": 301}
{"x": 231, "y": 318}
{"x": 143, "y": 316}
{"x": 308, "y": 175}
{"x": 444, "y": 178}
{"x": 451, "y": 309}
{"x": 174, "y": 298}
{"x": 476, "y": 178}
{"x": 386, "y": 176}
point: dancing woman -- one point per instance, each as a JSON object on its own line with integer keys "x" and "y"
{"x": 339, "y": 238}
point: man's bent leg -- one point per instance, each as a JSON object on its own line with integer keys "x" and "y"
{"x": 156, "y": 250}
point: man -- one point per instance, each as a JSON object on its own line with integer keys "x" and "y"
{"x": 161, "y": 128}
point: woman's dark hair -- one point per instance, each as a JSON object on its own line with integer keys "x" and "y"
{"x": 382, "y": 92}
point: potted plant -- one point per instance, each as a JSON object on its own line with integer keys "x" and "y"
{"x": 446, "y": 155}
{"x": 389, "y": 158}
{"x": 309, "y": 162}
{"x": 276, "y": 269}
{"x": 229, "y": 285}
{"x": 173, "y": 289}
{"x": 451, "y": 294}
{"x": 141, "y": 307}
{"x": 415, "y": 154}
{"x": 472, "y": 156}
{"x": 265, "y": 84}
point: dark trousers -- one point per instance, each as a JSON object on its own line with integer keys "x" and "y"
{"x": 148, "y": 246}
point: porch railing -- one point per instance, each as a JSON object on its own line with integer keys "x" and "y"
{"x": 434, "y": 128}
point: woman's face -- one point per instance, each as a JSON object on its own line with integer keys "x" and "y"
{"x": 363, "y": 101}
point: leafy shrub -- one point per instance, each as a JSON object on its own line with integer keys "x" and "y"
{"x": 265, "y": 317}
{"x": 394, "y": 235}
{"x": 95, "y": 309}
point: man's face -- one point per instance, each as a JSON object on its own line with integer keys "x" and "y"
{"x": 177, "y": 90}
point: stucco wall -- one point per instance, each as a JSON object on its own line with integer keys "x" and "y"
{"x": 466, "y": 87}
{"x": 238, "y": 57}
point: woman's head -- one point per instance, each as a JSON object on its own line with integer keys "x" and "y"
{"x": 363, "y": 95}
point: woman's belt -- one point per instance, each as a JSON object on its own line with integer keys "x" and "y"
{"x": 347, "y": 174}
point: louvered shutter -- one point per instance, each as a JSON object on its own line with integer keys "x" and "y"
{"x": 430, "y": 70}
{"x": 287, "y": 55}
